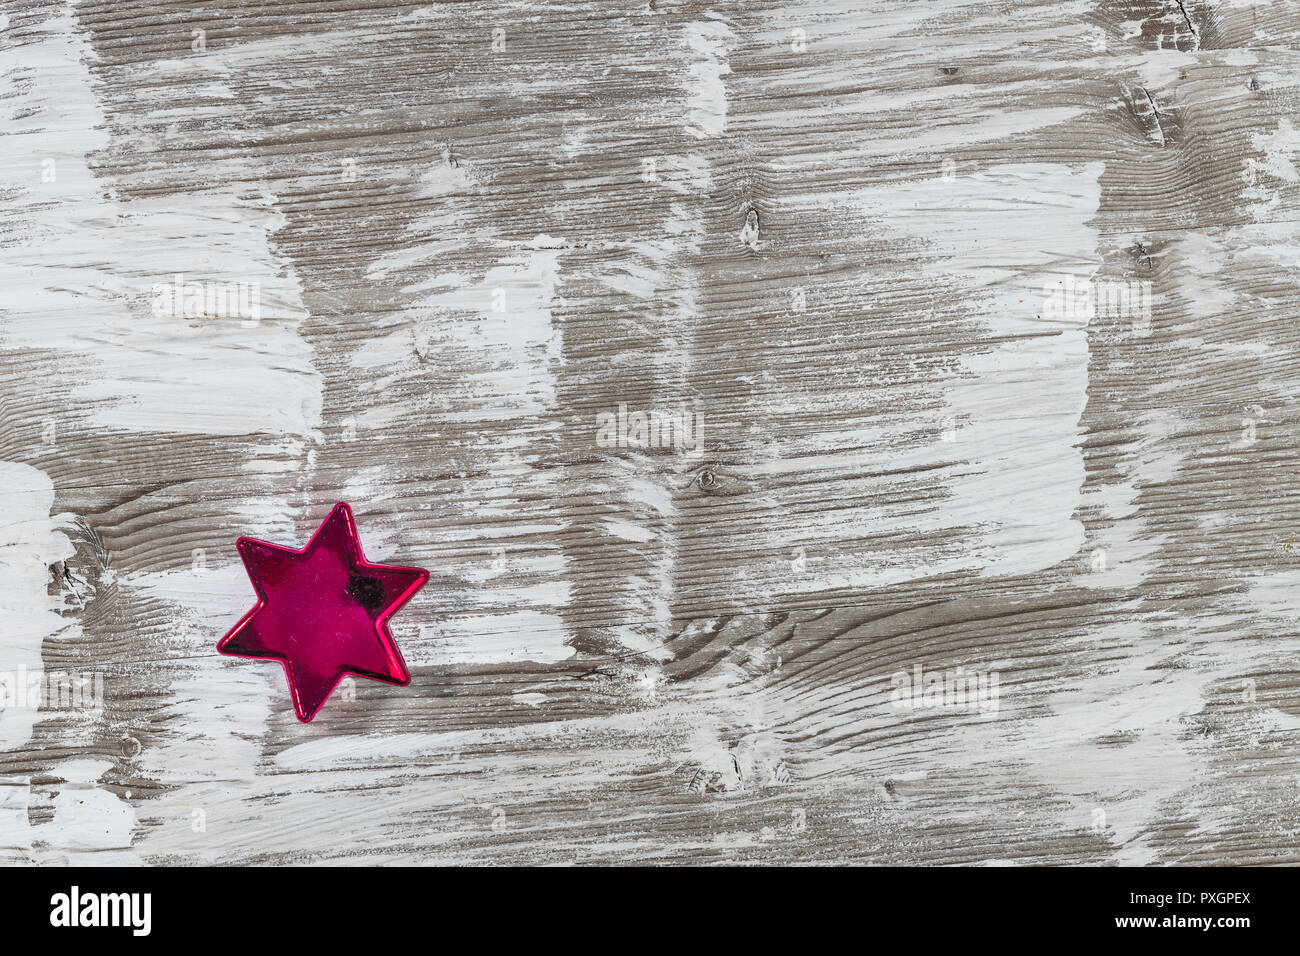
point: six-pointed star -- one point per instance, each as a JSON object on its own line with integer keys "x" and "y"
{"x": 323, "y": 612}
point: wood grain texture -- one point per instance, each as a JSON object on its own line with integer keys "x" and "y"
{"x": 840, "y": 234}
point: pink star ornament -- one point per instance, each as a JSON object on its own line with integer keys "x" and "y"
{"x": 323, "y": 612}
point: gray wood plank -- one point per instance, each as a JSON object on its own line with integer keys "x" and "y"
{"x": 850, "y": 239}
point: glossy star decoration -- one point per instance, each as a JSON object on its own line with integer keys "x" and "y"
{"x": 323, "y": 612}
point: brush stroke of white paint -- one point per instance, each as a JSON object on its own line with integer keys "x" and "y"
{"x": 46, "y": 86}
{"x": 1004, "y": 491}
{"x": 706, "y": 89}
{"x": 88, "y": 817}
{"x": 29, "y": 543}
{"x": 85, "y": 816}
{"x": 82, "y": 281}
{"x": 499, "y": 334}
{"x": 496, "y": 333}
{"x": 1018, "y": 404}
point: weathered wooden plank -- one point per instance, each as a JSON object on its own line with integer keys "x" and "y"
{"x": 849, "y": 238}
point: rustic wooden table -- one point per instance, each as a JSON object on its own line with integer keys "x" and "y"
{"x": 838, "y": 430}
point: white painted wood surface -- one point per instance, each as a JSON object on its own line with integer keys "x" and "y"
{"x": 983, "y": 315}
